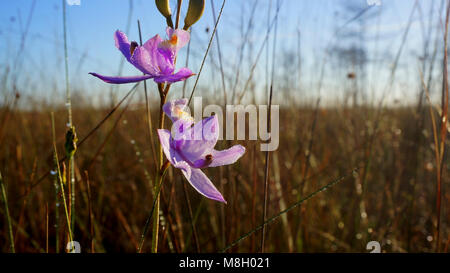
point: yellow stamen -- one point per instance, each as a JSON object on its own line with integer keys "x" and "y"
{"x": 183, "y": 115}
{"x": 173, "y": 40}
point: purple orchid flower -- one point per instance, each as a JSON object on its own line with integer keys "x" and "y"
{"x": 191, "y": 148}
{"x": 156, "y": 58}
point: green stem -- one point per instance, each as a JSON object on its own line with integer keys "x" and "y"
{"x": 56, "y": 214}
{"x": 61, "y": 185}
{"x": 157, "y": 187}
{"x": 8, "y": 218}
{"x": 72, "y": 192}
{"x": 70, "y": 123}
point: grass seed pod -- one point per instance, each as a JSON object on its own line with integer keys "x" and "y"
{"x": 194, "y": 13}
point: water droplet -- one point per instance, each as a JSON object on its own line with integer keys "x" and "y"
{"x": 132, "y": 141}
{"x": 53, "y": 172}
{"x": 429, "y": 238}
{"x": 68, "y": 124}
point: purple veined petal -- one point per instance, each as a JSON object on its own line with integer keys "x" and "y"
{"x": 181, "y": 75}
{"x": 164, "y": 65}
{"x": 226, "y": 157}
{"x": 142, "y": 60}
{"x": 122, "y": 43}
{"x": 199, "y": 141}
{"x": 203, "y": 185}
{"x": 171, "y": 154}
{"x": 120, "y": 80}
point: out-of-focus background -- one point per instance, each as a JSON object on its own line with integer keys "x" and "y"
{"x": 359, "y": 84}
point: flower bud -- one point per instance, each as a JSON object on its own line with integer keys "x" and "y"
{"x": 71, "y": 142}
{"x": 194, "y": 13}
{"x": 164, "y": 8}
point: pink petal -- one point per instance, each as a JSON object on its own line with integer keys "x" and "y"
{"x": 122, "y": 43}
{"x": 203, "y": 185}
{"x": 120, "y": 80}
{"x": 181, "y": 75}
{"x": 226, "y": 157}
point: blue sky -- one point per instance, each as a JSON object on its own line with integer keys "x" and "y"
{"x": 92, "y": 24}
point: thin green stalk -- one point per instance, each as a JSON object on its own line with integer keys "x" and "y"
{"x": 276, "y": 216}
{"x": 178, "y": 13}
{"x": 147, "y": 223}
{"x": 55, "y": 182}
{"x": 147, "y": 106}
{"x": 163, "y": 94}
{"x": 206, "y": 53}
{"x": 70, "y": 124}
{"x": 8, "y": 218}
{"x": 58, "y": 170}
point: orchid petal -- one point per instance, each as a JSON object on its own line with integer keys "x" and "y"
{"x": 181, "y": 75}
{"x": 183, "y": 36}
{"x": 120, "y": 80}
{"x": 163, "y": 65}
{"x": 200, "y": 140}
{"x": 226, "y": 157}
{"x": 178, "y": 38}
{"x": 171, "y": 154}
{"x": 122, "y": 43}
{"x": 141, "y": 60}
{"x": 176, "y": 109}
{"x": 203, "y": 185}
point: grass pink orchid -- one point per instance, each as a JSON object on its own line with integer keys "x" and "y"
{"x": 190, "y": 147}
{"x": 155, "y": 58}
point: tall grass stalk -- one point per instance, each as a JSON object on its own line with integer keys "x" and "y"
{"x": 70, "y": 123}
{"x": 57, "y": 205}
{"x": 443, "y": 130}
{"x": 296, "y": 204}
{"x": 8, "y": 217}
{"x": 159, "y": 178}
{"x": 207, "y": 51}
{"x": 88, "y": 135}
{"x": 60, "y": 178}
{"x": 147, "y": 106}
